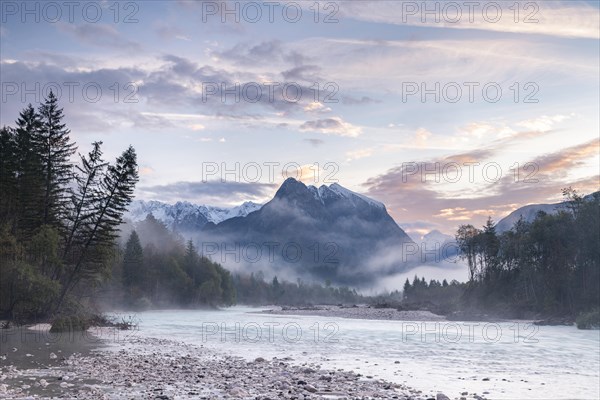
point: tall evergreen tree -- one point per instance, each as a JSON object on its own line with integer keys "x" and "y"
{"x": 133, "y": 260}
{"x": 191, "y": 259}
{"x": 29, "y": 173}
{"x": 406, "y": 289}
{"x": 490, "y": 246}
{"x": 85, "y": 196}
{"x": 57, "y": 150}
{"x": 8, "y": 176}
{"x": 115, "y": 194}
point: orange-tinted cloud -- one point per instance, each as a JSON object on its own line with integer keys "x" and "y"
{"x": 415, "y": 201}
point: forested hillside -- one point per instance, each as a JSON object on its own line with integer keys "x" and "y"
{"x": 160, "y": 270}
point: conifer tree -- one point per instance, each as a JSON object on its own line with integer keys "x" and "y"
{"x": 133, "y": 262}
{"x": 8, "y": 176}
{"x": 29, "y": 173}
{"x": 57, "y": 150}
{"x": 114, "y": 195}
{"x": 85, "y": 196}
{"x": 406, "y": 289}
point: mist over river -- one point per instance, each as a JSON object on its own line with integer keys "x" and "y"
{"x": 506, "y": 360}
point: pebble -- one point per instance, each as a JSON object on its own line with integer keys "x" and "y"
{"x": 183, "y": 371}
{"x": 310, "y": 388}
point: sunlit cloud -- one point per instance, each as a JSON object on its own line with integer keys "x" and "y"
{"x": 358, "y": 154}
{"x": 410, "y": 197}
{"x": 332, "y": 126}
{"x": 543, "y": 123}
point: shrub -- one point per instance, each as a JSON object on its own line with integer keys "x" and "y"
{"x": 70, "y": 324}
{"x": 141, "y": 304}
{"x": 589, "y": 320}
{"x": 125, "y": 323}
{"x": 25, "y": 294}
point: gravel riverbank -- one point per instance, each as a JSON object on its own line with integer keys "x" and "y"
{"x": 357, "y": 312}
{"x": 147, "y": 368}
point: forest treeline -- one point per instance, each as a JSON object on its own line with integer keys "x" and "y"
{"x": 547, "y": 267}
{"x": 58, "y": 219}
{"x": 254, "y": 289}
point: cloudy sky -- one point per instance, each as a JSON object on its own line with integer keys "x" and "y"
{"x": 447, "y": 114}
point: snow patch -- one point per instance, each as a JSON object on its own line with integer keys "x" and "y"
{"x": 169, "y": 213}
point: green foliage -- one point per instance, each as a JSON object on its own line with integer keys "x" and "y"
{"x": 43, "y": 250}
{"x": 439, "y": 298}
{"x": 56, "y": 151}
{"x": 164, "y": 273}
{"x": 133, "y": 259}
{"x": 100, "y": 232}
{"x": 589, "y": 320}
{"x": 29, "y": 170}
{"x": 8, "y": 174}
{"x": 25, "y": 294}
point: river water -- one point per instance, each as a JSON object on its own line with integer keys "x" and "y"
{"x": 506, "y": 360}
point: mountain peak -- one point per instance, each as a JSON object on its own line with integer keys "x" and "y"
{"x": 290, "y": 187}
{"x": 358, "y": 228}
{"x": 324, "y": 193}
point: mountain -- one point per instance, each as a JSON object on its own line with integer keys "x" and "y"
{"x": 437, "y": 246}
{"x": 436, "y": 236}
{"x": 528, "y": 213}
{"x": 327, "y": 232}
{"x": 186, "y": 217}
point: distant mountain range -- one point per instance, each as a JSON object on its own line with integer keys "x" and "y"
{"x": 528, "y": 213}
{"x": 186, "y": 217}
{"x": 326, "y": 232}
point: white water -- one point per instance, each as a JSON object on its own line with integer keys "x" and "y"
{"x": 534, "y": 363}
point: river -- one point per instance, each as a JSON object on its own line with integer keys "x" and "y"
{"x": 506, "y": 360}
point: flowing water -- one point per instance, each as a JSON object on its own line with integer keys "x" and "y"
{"x": 507, "y": 360}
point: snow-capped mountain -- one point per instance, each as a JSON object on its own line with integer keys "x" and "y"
{"x": 336, "y": 191}
{"x": 185, "y": 216}
{"x": 326, "y": 233}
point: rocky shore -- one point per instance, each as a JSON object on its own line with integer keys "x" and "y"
{"x": 148, "y": 368}
{"x": 358, "y": 312}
